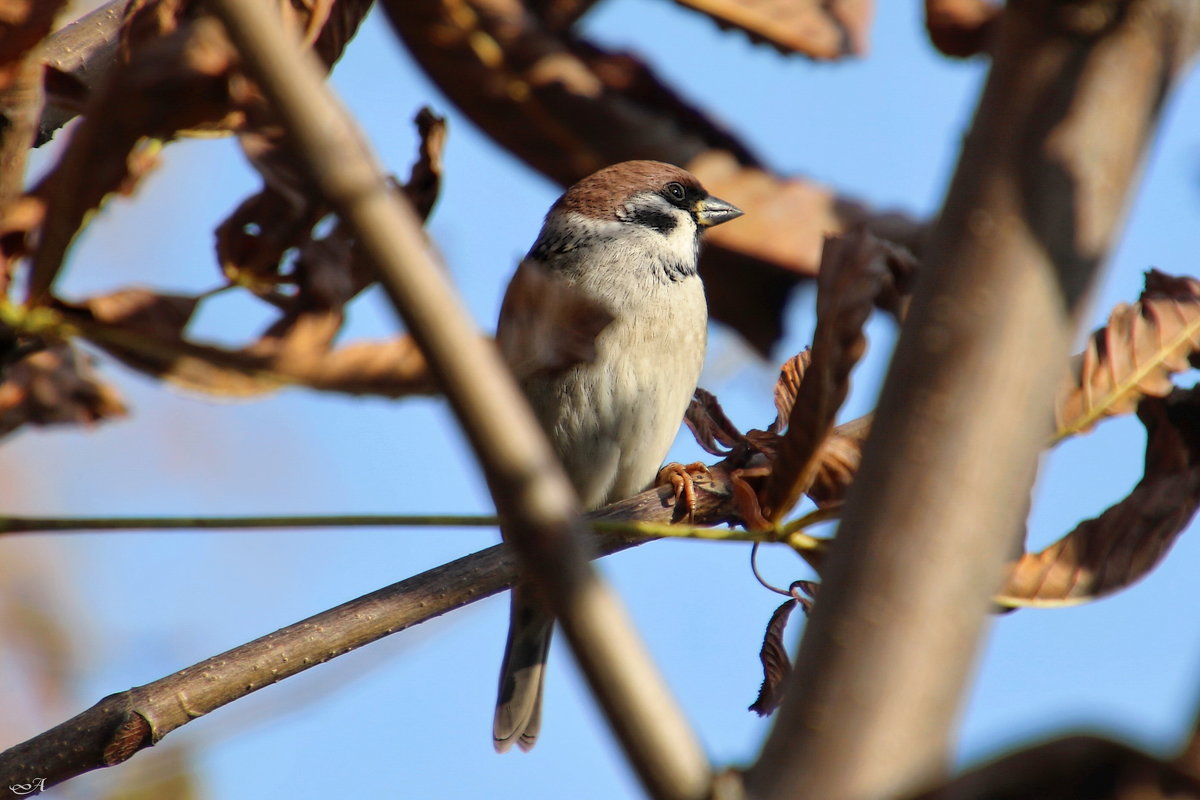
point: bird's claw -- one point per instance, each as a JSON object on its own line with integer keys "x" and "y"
{"x": 682, "y": 477}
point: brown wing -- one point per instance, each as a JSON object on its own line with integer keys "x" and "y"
{"x": 545, "y": 324}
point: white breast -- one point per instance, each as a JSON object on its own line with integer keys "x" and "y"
{"x": 613, "y": 420}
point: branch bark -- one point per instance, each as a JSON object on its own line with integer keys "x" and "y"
{"x": 937, "y": 506}
{"x": 87, "y": 49}
{"x": 121, "y": 724}
{"x": 535, "y": 501}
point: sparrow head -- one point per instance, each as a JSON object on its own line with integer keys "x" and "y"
{"x": 648, "y": 210}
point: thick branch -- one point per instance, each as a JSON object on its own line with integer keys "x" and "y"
{"x": 531, "y": 492}
{"x": 934, "y": 513}
{"x": 86, "y": 49}
{"x": 94, "y": 739}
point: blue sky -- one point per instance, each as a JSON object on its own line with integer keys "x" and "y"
{"x": 410, "y": 716}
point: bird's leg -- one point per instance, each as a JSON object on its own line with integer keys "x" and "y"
{"x": 683, "y": 478}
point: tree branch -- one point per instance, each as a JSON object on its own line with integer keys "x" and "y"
{"x": 121, "y": 724}
{"x": 532, "y": 495}
{"x": 86, "y": 48}
{"x": 934, "y": 513}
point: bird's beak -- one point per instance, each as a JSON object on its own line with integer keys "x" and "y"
{"x": 713, "y": 211}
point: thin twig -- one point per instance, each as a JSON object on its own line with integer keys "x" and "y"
{"x": 18, "y": 524}
{"x": 530, "y": 489}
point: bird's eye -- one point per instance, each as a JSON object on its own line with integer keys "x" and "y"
{"x": 675, "y": 190}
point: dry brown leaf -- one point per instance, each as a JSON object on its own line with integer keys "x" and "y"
{"x": 787, "y": 386}
{"x": 394, "y": 368}
{"x": 1134, "y": 355}
{"x": 707, "y": 421}
{"x": 1123, "y": 544}
{"x": 559, "y": 15}
{"x": 172, "y": 82}
{"x": 53, "y": 387}
{"x": 253, "y": 241}
{"x": 143, "y": 310}
{"x": 18, "y": 220}
{"x": 838, "y": 459}
{"x": 145, "y": 330}
{"x": 23, "y": 23}
{"x": 961, "y": 28}
{"x": 1073, "y": 768}
{"x": 775, "y": 661}
{"x": 820, "y": 29}
{"x": 425, "y": 178}
{"x": 852, "y": 272}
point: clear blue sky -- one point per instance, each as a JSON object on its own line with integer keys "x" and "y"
{"x": 410, "y": 717}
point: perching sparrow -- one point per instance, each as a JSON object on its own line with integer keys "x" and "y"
{"x": 625, "y": 240}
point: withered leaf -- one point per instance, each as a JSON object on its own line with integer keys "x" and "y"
{"x": 144, "y": 310}
{"x": 535, "y": 342}
{"x": 786, "y": 387}
{"x": 253, "y": 241}
{"x": 837, "y": 462}
{"x": 708, "y": 423}
{"x": 1073, "y": 768}
{"x": 777, "y": 666}
{"x": 851, "y": 274}
{"x": 23, "y": 23}
{"x": 1123, "y": 544}
{"x": 55, "y": 386}
{"x": 425, "y": 178}
{"x": 173, "y": 82}
{"x": 1132, "y": 356}
{"x": 819, "y": 29}
{"x": 145, "y": 332}
{"x": 961, "y": 28}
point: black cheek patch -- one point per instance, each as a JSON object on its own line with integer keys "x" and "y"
{"x": 662, "y": 221}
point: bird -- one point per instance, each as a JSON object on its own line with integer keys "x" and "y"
{"x": 604, "y": 325}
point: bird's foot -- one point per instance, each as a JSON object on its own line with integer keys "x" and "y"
{"x": 682, "y": 477}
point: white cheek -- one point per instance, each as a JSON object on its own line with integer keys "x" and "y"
{"x": 682, "y": 241}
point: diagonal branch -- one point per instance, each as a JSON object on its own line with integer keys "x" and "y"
{"x": 531, "y": 492}
{"x": 121, "y": 724}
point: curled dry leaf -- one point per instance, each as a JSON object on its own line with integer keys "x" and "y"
{"x": 819, "y": 29}
{"x": 897, "y": 288}
{"x": 961, "y": 28}
{"x": 145, "y": 332}
{"x": 534, "y": 342}
{"x": 852, "y": 272}
{"x": 775, "y": 662}
{"x": 55, "y": 386}
{"x": 18, "y": 220}
{"x": 560, "y": 15}
{"x": 1123, "y": 544}
{"x": 787, "y": 386}
{"x": 708, "y": 423}
{"x": 23, "y": 23}
{"x": 173, "y": 82}
{"x": 1134, "y": 355}
{"x": 838, "y": 459}
{"x": 253, "y": 241}
{"x": 425, "y": 178}
{"x": 1073, "y": 768}
{"x": 324, "y": 25}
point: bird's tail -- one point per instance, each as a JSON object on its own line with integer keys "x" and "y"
{"x": 522, "y": 673}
